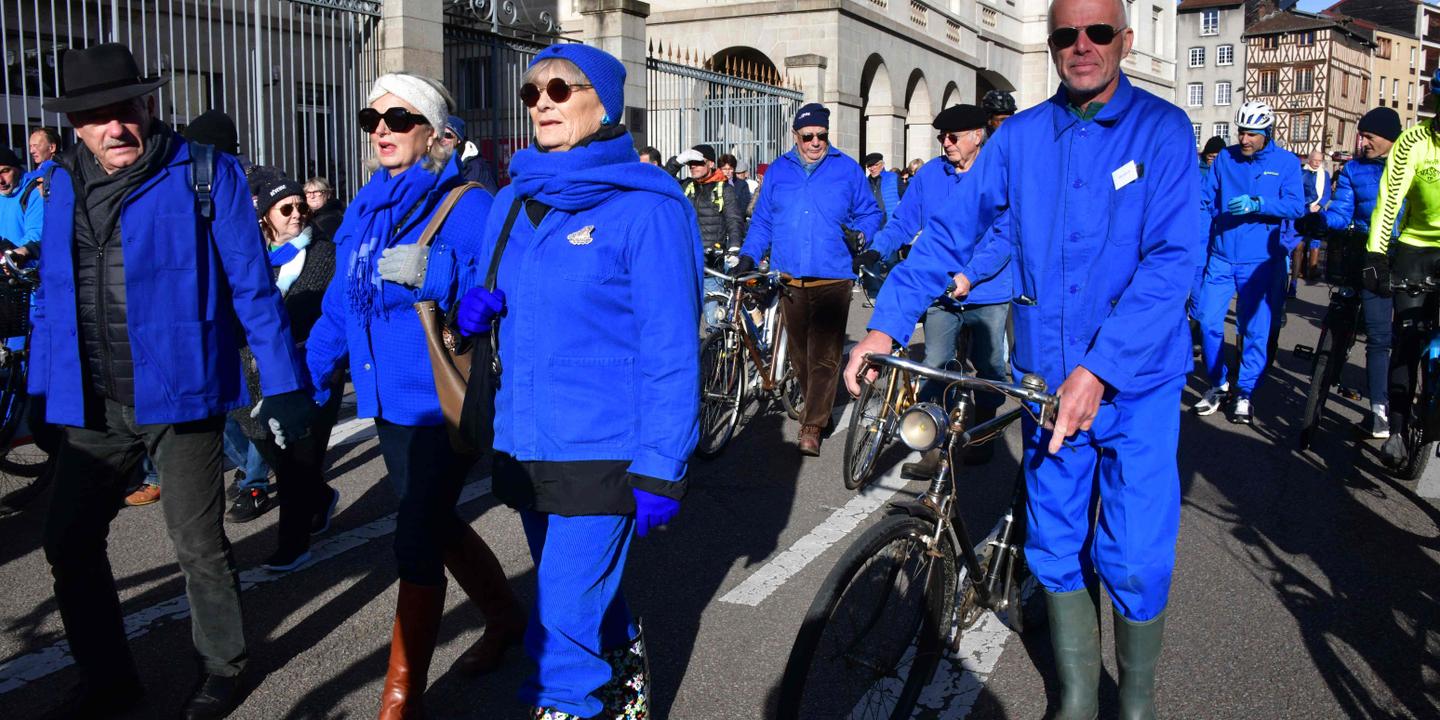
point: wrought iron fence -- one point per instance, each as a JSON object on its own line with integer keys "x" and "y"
{"x": 290, "y": 73}
{"x": 739, "y": 108}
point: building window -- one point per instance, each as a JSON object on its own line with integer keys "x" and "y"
{"x": 1210, "y": 22}
{"x": 1364, "y": 88}
{"x": 1299, "y": 128}
{"x": 1395, "y": 90}
{"x": 1382, "y": 48}
{"x": 1196, "y": 127}
{"x": 1269, "y": 82}
{"x": 1225, "y": 55}
{"x": 1342, "y": 79}
{"x": 1197, "y": 57}
{"x": 1197, "y": 94}
{"x": 1414, "y": 54}
{"x": 1340, "y": 134}
{"x": 1380, "y": 94}
{"x": 1269, "y": 42}
{"x": 1305, "y": 39}
{"x": 1222, "y": 92}
{"x": 1410, "y": 93}
{"x": 1222, "y": 131}
{"x": 1156, "y": 25}
{"x": 1304, "y": 80}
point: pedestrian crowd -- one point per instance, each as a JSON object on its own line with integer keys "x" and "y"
{"x": 196, "y": 310}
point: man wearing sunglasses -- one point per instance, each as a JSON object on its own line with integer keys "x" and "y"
{"x": 1094, "y": 196}
{"x": 814, "y": 195}
{"x": 986, "y": 310}
{"x": 473, "y": 166}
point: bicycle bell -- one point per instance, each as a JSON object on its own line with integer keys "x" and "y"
{"x": 1033, "y": 382}
{"x": 922, "y": 427}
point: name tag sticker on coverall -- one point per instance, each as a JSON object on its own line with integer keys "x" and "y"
{"x": 1125, "y": 175}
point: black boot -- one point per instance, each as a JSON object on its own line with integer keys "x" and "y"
{"x": 1137, "y": 650}
{"x": 1075, "y": 636}
{"x": 925, "y": 469}
{"x": 214, "y": 699}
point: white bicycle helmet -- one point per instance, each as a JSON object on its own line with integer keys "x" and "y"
{"x": 1254, "y": 115}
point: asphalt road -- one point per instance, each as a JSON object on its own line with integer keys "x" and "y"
{"x": 1308, "y": 585}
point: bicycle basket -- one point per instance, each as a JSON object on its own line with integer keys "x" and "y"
{"x": 14, "y": 310}
{"x": 1344, "y": 257}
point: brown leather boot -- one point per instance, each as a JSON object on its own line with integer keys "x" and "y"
{"x": 810, "y": 440}
{"x": 478, "y": 573}
{"x": 417, "y": 623}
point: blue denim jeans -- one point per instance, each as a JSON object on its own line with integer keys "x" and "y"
{"x": 242, "y": 454}
{"x": 988, "y": 348}
{"x": 1378, "y": 311}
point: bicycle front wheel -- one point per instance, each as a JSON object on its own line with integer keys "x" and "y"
{"x": 1319, "y": 390}
{"x": 874, "y": 634}
{"x": 722, "y": 390}
{"x": 865, "y": 439}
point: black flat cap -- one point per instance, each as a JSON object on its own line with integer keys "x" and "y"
{"x": 871, "y": 159}
{"x": 957, "y": 118}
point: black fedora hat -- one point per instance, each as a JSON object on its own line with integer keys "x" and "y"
{"x": 97, "y": 76}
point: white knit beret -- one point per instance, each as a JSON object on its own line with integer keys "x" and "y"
{"x": 427, "y": 95}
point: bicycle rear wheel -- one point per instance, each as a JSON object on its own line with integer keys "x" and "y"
{"x": 869, "y": 431}
{"x": 792, "y": 394}
{"x": 722, "y": 390}
{"x": 22, "y": 463}
{"x": 1319, "y": 390}
{"x": 874, "y": 634}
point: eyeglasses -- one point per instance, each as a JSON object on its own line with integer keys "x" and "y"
{"x": 398, "y": 119}
{"x": 1100, "y": 34}
{"x": 289, "y": 209}
{"x": 822, "y": 137}
{"x": 449, "y": 135}
{"x": 558, "y": 90}
{"x": 314, "y": 193}
{"x": 953, "y": 137}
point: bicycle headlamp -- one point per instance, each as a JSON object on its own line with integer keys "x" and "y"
{"x": 922, "y": 427}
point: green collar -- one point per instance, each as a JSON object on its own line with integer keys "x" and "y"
{"x": 1089, "y": 112}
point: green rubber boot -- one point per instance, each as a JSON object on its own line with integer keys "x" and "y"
{"x": 1137, "y": 650}
{"x": 1075, "y": 635}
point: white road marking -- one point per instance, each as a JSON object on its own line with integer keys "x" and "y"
{"x": 782, "y": 567}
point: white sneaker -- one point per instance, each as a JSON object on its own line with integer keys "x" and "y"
{"x": 1379, "y": 421}
{"x": 1211, "y": 401}
{"x": 1242, "y": 411}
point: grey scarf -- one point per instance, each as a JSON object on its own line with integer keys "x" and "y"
{"x": 100, "y": 195}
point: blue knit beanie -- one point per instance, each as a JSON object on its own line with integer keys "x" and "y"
{"x": 457, "y": 124}
{"x": 602, "y": 69}
{"x": 812, "y": 114}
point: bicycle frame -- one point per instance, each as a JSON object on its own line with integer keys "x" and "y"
{"x": 770, "y": 331}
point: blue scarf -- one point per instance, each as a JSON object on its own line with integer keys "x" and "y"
{"x": 589, "y": 174}
{"x": 370, "y": 222}
{"x": 287, "y": 252}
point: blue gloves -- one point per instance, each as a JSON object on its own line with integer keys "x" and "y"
{"x": 652, "y": 511}
{"x": 1244, "y": 204}
{"x": 478, "y": 309}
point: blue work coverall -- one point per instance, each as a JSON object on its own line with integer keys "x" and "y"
{"x": 1105, "y": 229}
{"x": 1247, "y": 255}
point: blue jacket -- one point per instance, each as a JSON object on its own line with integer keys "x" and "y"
{"x": 1105, "y": 229}
{"x": 185, "y": 309}
{"x": 928, "y": 210}
{"x": 389, "y": 361}
{"x": 1271, "y": 175}
{"x": 798, "y": 217}
{"x": 600, "y": 340}
{"x": 889, "y": 194}
{"x": 1307, "y": 176}
{"x": 20, "y": 223}
{"x": 1356, "y": 187}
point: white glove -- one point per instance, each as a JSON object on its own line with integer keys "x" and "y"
{"x": 731, "y": 261}
{"x": 689, "y": 156}
{"x": 274, "y": 424}
{"x": 404, "y": 265}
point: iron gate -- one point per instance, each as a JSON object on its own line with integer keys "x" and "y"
{"x": 291, "y": 73}
{"x": 734, "y": 111}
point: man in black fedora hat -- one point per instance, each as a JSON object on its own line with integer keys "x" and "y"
{"x": 149, "y": 277}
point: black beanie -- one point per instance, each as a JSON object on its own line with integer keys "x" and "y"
{"x": 216, "y": 128}
{"x": 1383, "y": 122}
{"x": 8, "y": 158}
{"x": 275, "y": 190}
{"x": 1213, "y": 145}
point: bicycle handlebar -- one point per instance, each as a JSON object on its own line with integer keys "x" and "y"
{"x": 1428, "y": 285}
{"x": 753, "y": 275}
{"x": 1030, "y": 389}
{"x": 11, "y": 268}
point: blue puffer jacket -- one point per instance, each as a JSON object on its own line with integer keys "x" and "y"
{"x": 1273, "y": 175}
{"x": 389, "y": 362}
{"x": 1356, "y": 188}
{"x": 798, "y": 217}
{"x": 186, "y": 302}
{"x": 600, "y": 340}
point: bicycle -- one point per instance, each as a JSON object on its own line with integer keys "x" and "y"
{"x": 1344, "y": 256}
{"x": 23, "y": 463}
{"x": 878, "y": 626}
{"x": 875, "y": 420}
{"x": 741, "y": 353}
{"x": 1422, "y": 434}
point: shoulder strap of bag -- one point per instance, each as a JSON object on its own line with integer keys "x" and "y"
{"x": 438, "y": 219}
{"x": 500, "y": 242}
{"x": 202, "y": 177}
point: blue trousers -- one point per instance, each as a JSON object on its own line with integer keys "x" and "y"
{"x": 241, "y": 453}
{"x": 1260, "y": 292}
{"x": 988, "y": 349}
{"x": 1127, "y": 460}
{"x": 579, "y": 611}
{"x": 1378, "y": 314}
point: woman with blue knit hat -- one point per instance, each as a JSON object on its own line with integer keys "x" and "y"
{"x": 368, "y": 316}
{"x": 596, "y": 296}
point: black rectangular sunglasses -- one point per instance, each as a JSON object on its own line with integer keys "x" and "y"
{"x": 398, "y": 119}
{"x": 1100, "y": 34}
{"x": 807, "y": 137}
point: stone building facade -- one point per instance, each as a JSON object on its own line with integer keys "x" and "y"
{"x": 1210, "y": 67}
{"x": 1414, "y": 21}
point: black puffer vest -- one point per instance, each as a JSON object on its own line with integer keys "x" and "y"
{"x": 100, "y": 304}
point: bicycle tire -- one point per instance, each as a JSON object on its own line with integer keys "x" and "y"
{"x": 1319, "y": 389}
{"x": 722, "y": 391}
{"x": 792, "y": 395}
{"x": 919, "y": 639}
{"x": 866, "y": 437}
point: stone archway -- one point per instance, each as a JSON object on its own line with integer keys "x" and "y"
{"x": 951, "y": 96}
{"x": 747, "y": 62}
{"x": 882, "y": 125}
{"x": 919, "y": 142}
{"x": 987, "y": 80}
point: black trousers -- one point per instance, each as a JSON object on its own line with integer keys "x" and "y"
{"x": 1415, "y": 317}
{"x": 90, "y": 480}
{"x": 300, "y": 473}
{"x": 426, "y": 474}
